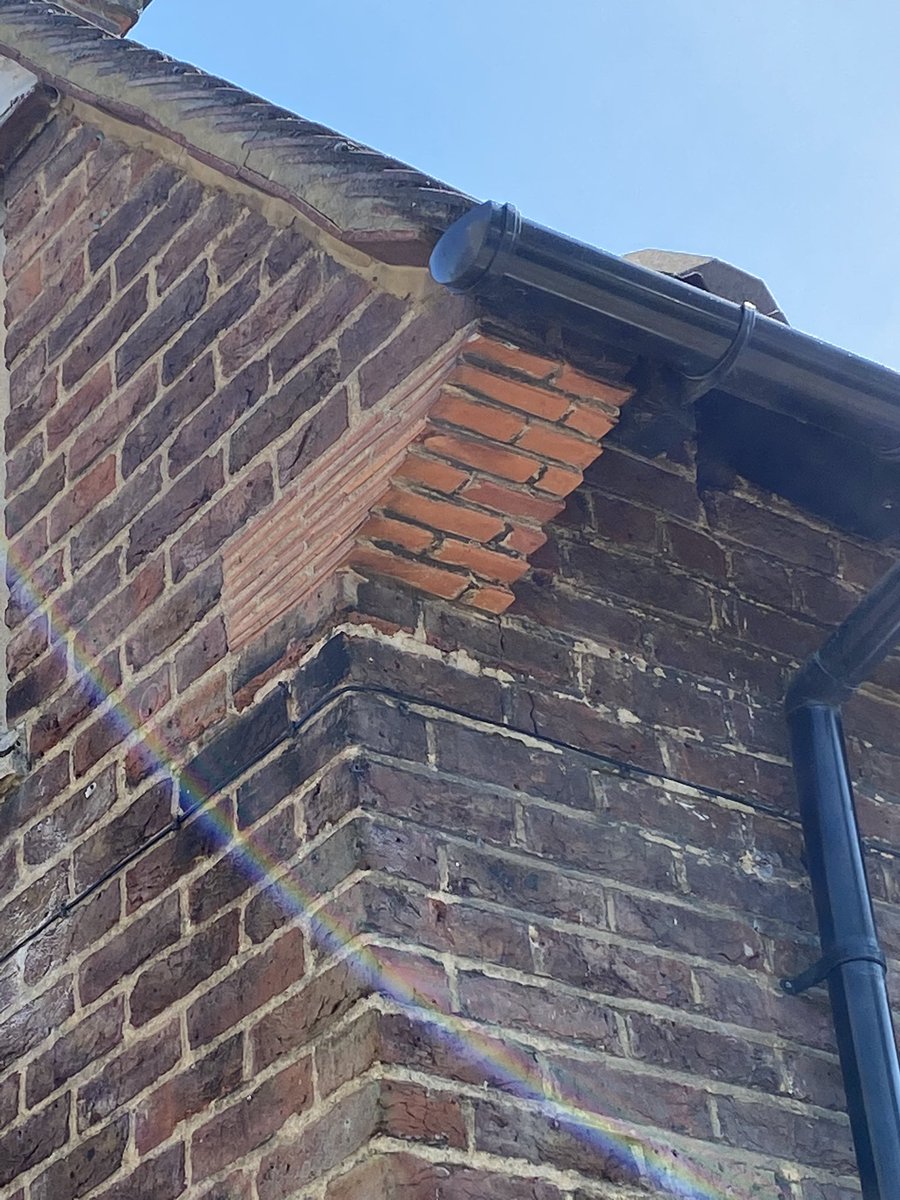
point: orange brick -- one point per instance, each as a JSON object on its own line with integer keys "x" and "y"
{"x": 411, "y": 537}
{"x": 563, "y": 447}
{"x": 431, "y": 473}
{"x": 524, "y": 396}
{"x": 496, "y": 461}
{"x": 525, "y": 539}
{"x": 420, "y": 575}
{"x": 589, "y": 421}
{"x": 502, "y": 568}
{"x": 570, "y": 380}
{"x": 444, "y": 515}
{"x": 558, "y": 481}
{"x": 489, "y": 599}
{"x": 507, "y": 355}
{"x": 493, "y": 422}
{"x": 516, "y": 502}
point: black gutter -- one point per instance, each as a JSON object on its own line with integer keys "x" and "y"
{"x": 692, "y": 330}
{"x": 705, "y": 337}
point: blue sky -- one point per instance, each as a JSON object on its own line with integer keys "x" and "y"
{"x": 767, "y": 134}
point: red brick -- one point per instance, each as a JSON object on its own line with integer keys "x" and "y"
{"x": 418, "y": 574}
{"x": 489, "y": 599}
{"x": 206, "y": 1080}
{"x": 431, "y": 473}
{"x": 537, "y": 401}
{"x": 240, "y": 1129}
{"x": 105, "y": 333}
{"x": 305, "y": 1015}
{"x": 570, "y": 380}
{"x": 492, "y": 422}
{"x": 253, "y": 984}
{"x": 489, "y": 564}
{"x": 160, "y": 1178}
{"x": 511, "y": 500}
{"x": 397, "y": 533}
{"x": 558, "y": 481}
{"x": 507, "y": 355}
{"x": 83, "y": 497}
{"x": 559, "y": 446}
{"x": 443, "y": 515}
{"x": 483, "y": 456}
{"x": 589, "y": 421}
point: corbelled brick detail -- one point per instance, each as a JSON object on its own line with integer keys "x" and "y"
{"x": 507, "y": 439}
{"x": 445, "y": 486}
{"x": 480, "y": 904}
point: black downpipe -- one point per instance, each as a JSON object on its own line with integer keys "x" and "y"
{"x": 770, "y": 364}
{"x": 852, "y": 960}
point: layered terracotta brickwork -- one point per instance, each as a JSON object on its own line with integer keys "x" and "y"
{"x": 459, "y": 471}
{"x": 506, "y": 441}
{"x": 479, "y": 904}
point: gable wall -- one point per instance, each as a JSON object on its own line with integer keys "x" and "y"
{"x": 490, "y": 906}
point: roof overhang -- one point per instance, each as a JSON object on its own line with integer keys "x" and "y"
{"x": 366, "y": 199}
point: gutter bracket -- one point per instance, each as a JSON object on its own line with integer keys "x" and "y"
{"x": 853, "y": 950}
{"x": 695, "y": 386}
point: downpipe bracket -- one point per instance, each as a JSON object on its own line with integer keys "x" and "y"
{"x": 853, "y": 950}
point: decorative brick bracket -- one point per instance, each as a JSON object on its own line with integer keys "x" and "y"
{"x": 506, "y": 440}
{"x": 447, "y": 487}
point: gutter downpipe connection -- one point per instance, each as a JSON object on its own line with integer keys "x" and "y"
{"x": 776, "y": 366}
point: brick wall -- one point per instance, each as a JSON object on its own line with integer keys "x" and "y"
{"x": 477, "y": 905}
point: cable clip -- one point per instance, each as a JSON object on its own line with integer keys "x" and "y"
{"x": 852, "y": 950}
{"x": 696, "y": 386}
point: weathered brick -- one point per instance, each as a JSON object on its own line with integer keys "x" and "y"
{"x": 140, "y": 940}
{"x": 270, "y": 316}
{"x": 339, "y": 299}
{"x": 174, "y": 509}
{"x": 254, "y": 1120}
{"x": 217, "y": 416}
{"x": 280, "y": 411}
{"x": 106, "y": 333}
{"x": 119, "y": 226}
{"x": 162, "y": 227}
{"x": 170, "y": 621}
{"x": 87, "y": 1165}
{"x": 256, "y": 981}
{"x": 321, "y": 432}
{"x": 83, "y": 497}
{"x": 130, "y": 499}
{"x": 240, "y": 246}
{"x": 129, "y": 1073}
{"x": 160, "y": 1178}
{"x": 216, "y": 214}
{"x": 178, "y": 973}
{"x": 77, "y": 410}
{"x": 24, "y": 1030}
{"x": 217, "y": 318}
{"x": 28, "y": 504}
{"x": 206, "y": 1080}
{"x": 36, "y": 1140}
{"x": 250, "y": 495}
{"x": 70, "y": 1053}
{"x": 322, "y": 1145}
{"x": 175, "y": 405}
{"x": 162, "y": 323}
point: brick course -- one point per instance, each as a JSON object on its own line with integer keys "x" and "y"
{"x": 499, "y": 865}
